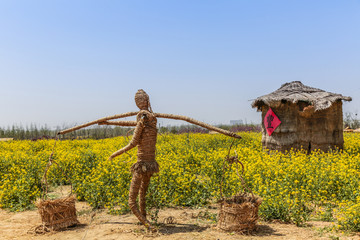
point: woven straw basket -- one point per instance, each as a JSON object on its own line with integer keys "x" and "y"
{"x": 58, "y": 214}
{"x": 239, "y": 213}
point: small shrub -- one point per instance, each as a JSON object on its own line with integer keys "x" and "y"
{"x": 349, "y": 217}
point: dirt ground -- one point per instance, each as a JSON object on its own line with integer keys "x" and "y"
{"x": 179, "y": 223}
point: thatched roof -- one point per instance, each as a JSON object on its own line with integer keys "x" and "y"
{"x": 295, "y": 92}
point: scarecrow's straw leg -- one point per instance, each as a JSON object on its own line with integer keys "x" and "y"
{"x": 143, "y": 189}
{"x": 133, "y": 193}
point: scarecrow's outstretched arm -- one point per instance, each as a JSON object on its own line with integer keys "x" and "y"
{"x": 133, "y": 142}
{"x": 128, "y": 114}
{"x": 196, "y": 122}
{"x": 119, "y": 123}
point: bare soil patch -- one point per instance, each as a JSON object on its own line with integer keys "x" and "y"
{"x": 174, "y": 223}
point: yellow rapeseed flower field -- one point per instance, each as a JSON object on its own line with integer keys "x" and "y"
{"x": 294, "y": 186}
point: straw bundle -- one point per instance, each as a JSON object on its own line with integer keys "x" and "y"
{"x": 58, "y": 214}
{"x": 239, "y": 213}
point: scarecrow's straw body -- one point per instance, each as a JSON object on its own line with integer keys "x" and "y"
{"x": 144, "y": 138}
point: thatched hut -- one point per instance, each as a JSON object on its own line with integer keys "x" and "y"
{"x": 297, "y": 116}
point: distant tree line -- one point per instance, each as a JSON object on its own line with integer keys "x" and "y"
{"x": 34, "y": 132}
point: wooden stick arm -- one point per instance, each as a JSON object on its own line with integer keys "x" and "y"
{"x": 196, "y": 122}
{"x": 128, "y": 114}
{"x": 119, "y": 123}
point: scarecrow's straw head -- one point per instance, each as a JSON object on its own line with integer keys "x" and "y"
{"x": 142, "y": 100}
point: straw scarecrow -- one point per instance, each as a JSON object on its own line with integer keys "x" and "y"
{"x": 144, "y": 138}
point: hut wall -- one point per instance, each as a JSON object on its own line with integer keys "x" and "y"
{"x": 285, "y": 135}
{"x": 301, "y": 128}
{"x": 324, "y": 128}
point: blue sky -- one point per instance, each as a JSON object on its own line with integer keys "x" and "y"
{"x": 67, "y": 62}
